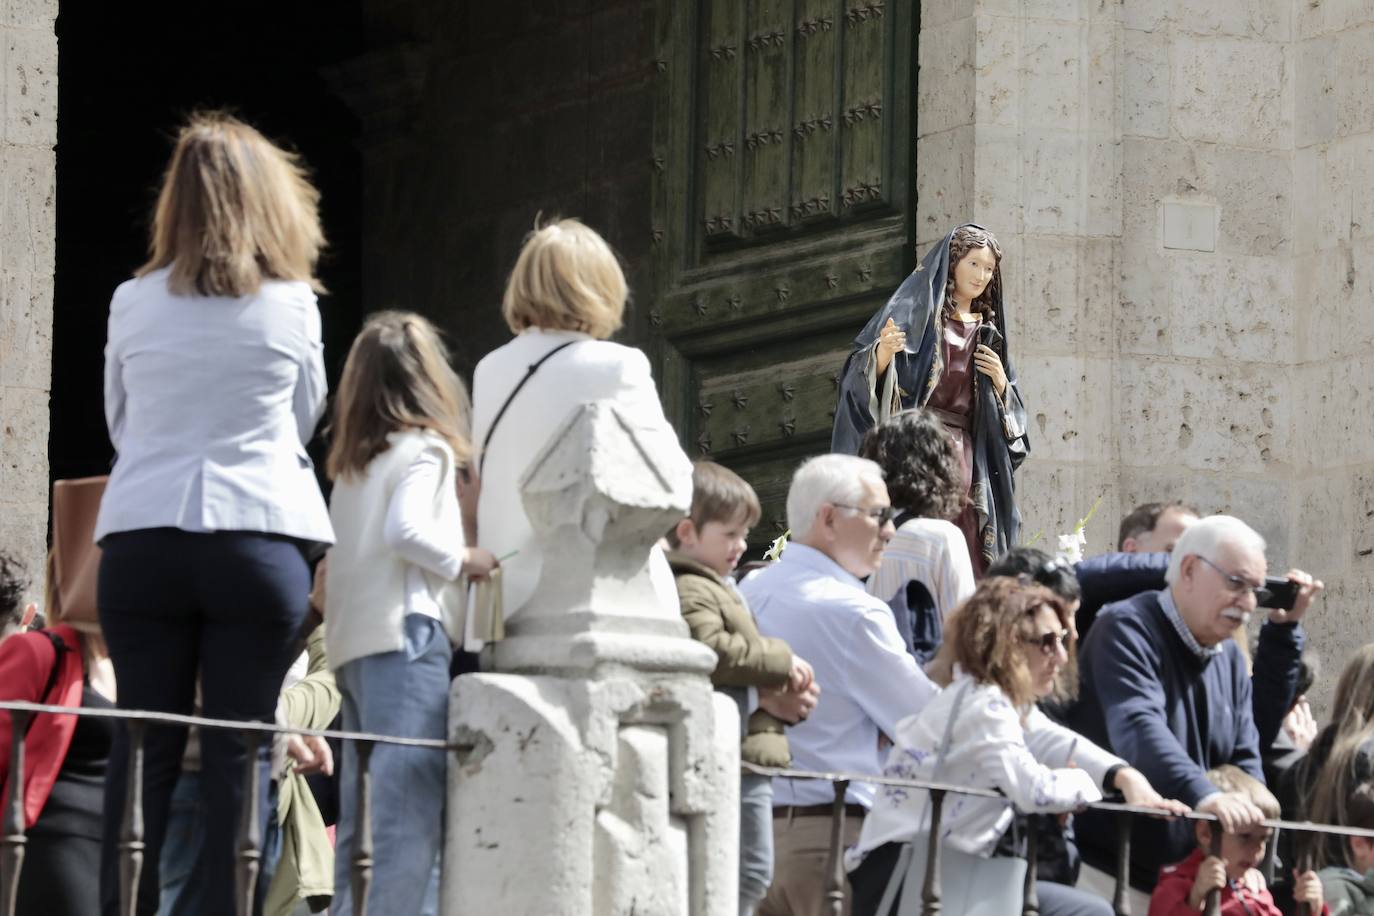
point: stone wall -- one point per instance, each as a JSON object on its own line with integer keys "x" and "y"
{"x": 1178, "y": 192}
{"x": 1333, "y": 310}
{"x": 27, "y": 236}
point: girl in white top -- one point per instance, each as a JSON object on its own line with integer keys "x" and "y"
{"x": 392, "y": 599}
{"x": 1004, "y": 647}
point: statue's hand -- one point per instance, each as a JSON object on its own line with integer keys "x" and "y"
{"x": 986, "y": 361}
{"x": 891, "y": 341}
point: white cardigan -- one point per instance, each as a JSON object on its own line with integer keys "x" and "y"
{"x": 989, "y": 749}
{"x": 209, "y": 402}
{"x": 368, "y": 582}
{"x": 589, "y": 370}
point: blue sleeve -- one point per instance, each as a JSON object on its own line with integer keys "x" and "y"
{"x": 1126, "y": 670}
{"x": 1246, "y": 752}
{"x": 1110, "y": 577}
{"x": 1278, "y": 661}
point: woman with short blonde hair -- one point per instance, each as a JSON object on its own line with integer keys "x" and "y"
{"x": 567, "y": 279}
{"x": 214, "y": 382}
{"x": 565, "y": 296}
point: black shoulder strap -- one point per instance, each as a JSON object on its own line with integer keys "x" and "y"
{"x": 496, "y": 420}
{"x": 59, "y": 646}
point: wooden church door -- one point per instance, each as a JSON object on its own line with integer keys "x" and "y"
{"x": 783, "y": 214}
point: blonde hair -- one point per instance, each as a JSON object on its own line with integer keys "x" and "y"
{"x": 234, "y": 210}
{"x": 567, "y": 279}
{"x": 1232, "y": 779}
{"x": 397, "y": 377}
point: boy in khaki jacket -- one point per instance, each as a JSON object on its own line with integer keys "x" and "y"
{"x": 771, "y": 685}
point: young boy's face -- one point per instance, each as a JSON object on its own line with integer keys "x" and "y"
{"x": 1242, "y": 850}
{"x": 717, "y": 545}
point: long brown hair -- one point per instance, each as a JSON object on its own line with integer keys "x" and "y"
{"x": 234, "y": 210}
{"x": 1350, "y": 729}
{"x": 984, "y": 635}
{"x": 397, "y": 377}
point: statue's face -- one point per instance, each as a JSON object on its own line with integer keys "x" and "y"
{"x": 973, "y": 273}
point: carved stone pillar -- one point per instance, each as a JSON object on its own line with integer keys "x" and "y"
{"x": 601, "y": 771}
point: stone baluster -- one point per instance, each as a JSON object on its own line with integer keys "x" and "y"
{"x": 596, "y": 770}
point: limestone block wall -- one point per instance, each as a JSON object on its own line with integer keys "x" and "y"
{"x": 1019, "y": 130}
{"x": 28, "y": 131}
{"x": 1182, "y": 196}
{"x": 1333, "y": 303}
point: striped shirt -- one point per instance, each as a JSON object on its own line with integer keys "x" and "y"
{"x": 933, "y": 552}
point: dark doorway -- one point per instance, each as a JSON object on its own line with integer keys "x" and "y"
{"x": 128, "y": 75}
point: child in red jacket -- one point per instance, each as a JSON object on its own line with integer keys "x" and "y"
{"x": 1183, "y": 888}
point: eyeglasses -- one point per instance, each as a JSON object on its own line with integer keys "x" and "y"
{"x": 882, "y": 514}
{"x": 1236, "y": 584}
{"x": 1048, "y": 642}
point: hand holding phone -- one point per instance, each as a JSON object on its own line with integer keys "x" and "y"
{"x": 1290, "y": 597}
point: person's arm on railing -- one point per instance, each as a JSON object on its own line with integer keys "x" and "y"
{"x": 1125, "y": 673}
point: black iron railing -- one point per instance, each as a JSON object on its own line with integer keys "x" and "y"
{"x": 249, "y": 842}
{"x": 131, "y": 845}
{"x": 930, "y": 888}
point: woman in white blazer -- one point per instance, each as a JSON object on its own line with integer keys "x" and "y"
{"x": 565, "y": 296}
{"x": 1006, "y": 646}
{"x": 214, "y": 381}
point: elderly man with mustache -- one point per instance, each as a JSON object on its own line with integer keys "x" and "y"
{"x": 1166, "y": 688}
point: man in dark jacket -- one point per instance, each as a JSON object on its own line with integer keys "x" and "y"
{"x": 1143, "y": 543}
{"x": 1167, "y": 689}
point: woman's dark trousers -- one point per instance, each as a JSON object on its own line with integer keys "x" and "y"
{"x": 226, "y": 606}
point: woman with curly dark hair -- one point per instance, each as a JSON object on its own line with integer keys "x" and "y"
{"x": 940, "y": 343}
{"x": 926, "y": 570}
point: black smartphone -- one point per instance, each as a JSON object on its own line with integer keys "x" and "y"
{"x": 1282, "y": 593}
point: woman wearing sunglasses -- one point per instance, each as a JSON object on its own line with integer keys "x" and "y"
{"x": 1006, "y": 647}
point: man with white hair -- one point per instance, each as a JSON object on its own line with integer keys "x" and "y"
{"x": 1166, "y": 688}
{"x": 815, "y": 600}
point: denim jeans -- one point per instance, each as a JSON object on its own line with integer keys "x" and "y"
{"x": 227, "y": 605}
{"x": 404, "y": 694}
{"x": 755, "y": 841}
{"x": 181, "y": 893}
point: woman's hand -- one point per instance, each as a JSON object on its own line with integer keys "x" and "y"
{"x": 986, "y": 361}
{"x": 478, "y": 562}
{"x": 311, "y": 754}
{"x": 891, "y": 341}
{"x": 1136, "y": 790}
{"x": 1300, "y": 724}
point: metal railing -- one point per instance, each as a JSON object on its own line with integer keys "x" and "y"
{"x": 249, "y": 843}
{"x": 930, "y": 888}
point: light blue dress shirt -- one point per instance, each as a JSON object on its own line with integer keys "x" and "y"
{"x": 868, "y": 681}
{"x": 209, "y": 402}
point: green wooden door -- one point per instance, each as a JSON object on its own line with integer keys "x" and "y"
{"x": 783, "y": 217}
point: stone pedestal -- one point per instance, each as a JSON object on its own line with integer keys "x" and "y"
{"x": 600, "y": 773}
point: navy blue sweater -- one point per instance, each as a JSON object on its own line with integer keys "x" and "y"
{"x": 1149, "y": 699}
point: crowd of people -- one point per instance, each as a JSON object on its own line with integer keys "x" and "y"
{"x": 901, "y": 632}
